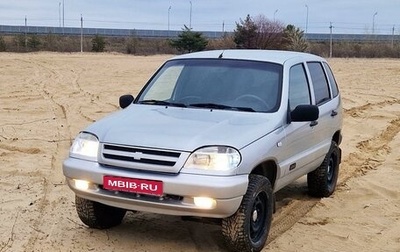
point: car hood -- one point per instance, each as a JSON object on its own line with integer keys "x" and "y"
{"x": 184, "y": 129}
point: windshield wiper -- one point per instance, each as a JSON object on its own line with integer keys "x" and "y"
{"x": 164, "y": 103}
{"x": 220, "y": 106}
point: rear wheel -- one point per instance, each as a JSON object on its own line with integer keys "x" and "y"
{"x": 247, "y": 229}
{"x": 97, "y": 215}
{"x": 322, "y": 181}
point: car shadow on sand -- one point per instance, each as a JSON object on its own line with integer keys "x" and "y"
{"x": 155, "y": 232}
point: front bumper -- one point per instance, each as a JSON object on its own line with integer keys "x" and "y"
{"x": 179, "y": 190}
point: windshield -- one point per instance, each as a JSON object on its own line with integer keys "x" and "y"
{"x": 216, "y": 84}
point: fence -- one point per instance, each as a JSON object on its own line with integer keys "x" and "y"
{"x": 74, "y": 31}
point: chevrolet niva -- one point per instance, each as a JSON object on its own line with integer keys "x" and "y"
{"x": 213, "y": 134}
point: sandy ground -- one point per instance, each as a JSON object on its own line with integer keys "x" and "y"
{"x": 46, "y": 98}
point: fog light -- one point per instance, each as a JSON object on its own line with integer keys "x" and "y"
{"x": 204, "y": 202}
{"x": 81, "y": 184}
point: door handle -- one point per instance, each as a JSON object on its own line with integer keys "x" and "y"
{"x": 313, "y": 123}
{"x": 334, "y": 113}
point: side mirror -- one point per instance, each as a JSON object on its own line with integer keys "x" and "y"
{"x": 305, "y": 113}
{"x": 125, "y": 101}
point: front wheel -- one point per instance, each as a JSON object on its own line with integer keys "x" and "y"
{"x": 97, "y": 215}
{"x": 248, "y": 228}
{"x": 322, "y": 181}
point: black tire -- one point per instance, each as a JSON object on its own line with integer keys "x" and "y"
{"x": 322, "y": 181}
{"x": 97, "y": 215}
{"x": 248, "y": 228}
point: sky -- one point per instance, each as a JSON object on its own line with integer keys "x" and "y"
{"x": 312, "y": 16}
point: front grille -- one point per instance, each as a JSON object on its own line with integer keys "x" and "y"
{"x": 134, "y": 155}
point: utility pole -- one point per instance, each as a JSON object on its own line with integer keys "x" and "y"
{"x": 373, "y": 22}
{"x": 63, "y": 10}
{"x": 81, "y": 33}
{"x": 307, "y": 18}
{"x": 330, "y": 43}
{"x": 169, "y": 10}
{"x": 275, "y": 14}
{"x": 190, "y": 21}
{"x": 393, "y": 36}
{"x": 59, "y": 14}
{"x": 26, "y": 29}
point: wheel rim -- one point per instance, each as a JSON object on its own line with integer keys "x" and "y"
{"x": 331, "y": 168}
{"x": 258, "y": 217}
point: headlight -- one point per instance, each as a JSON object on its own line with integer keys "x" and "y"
{"x": 85, "y": 146}
{"x": 214, "y": 158}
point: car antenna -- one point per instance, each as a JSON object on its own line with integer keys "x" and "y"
{"x": 221, "y": 55}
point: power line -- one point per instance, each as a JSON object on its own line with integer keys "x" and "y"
{"x": 312, "y": 27}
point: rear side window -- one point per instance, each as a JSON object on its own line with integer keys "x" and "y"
{"x": 299, "y": 92}
{"x": 320, "y": 83}
{"x": 332, "y": 81}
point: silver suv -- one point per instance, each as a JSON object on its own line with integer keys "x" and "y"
{"x": 213, "y": 134}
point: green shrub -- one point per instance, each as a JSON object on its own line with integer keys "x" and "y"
{"x": 189, "y": 41}
{"x": 98, "y": 44}
{"x": 3, "y": 46}
{"x": 33, "y": 42}
{"x": 132, "y": 45}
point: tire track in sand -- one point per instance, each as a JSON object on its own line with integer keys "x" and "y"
{"x": 372, "y": 152}
{"x": 369, "y": 155}
{"x": 44, "y": 78}
{"x": 49, "y": 77}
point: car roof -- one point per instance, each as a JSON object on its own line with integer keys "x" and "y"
{"x": 274, "y": 56}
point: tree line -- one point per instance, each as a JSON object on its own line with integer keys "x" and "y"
{"x": 250, "y": 33}
{"x": 260, "y": 33}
